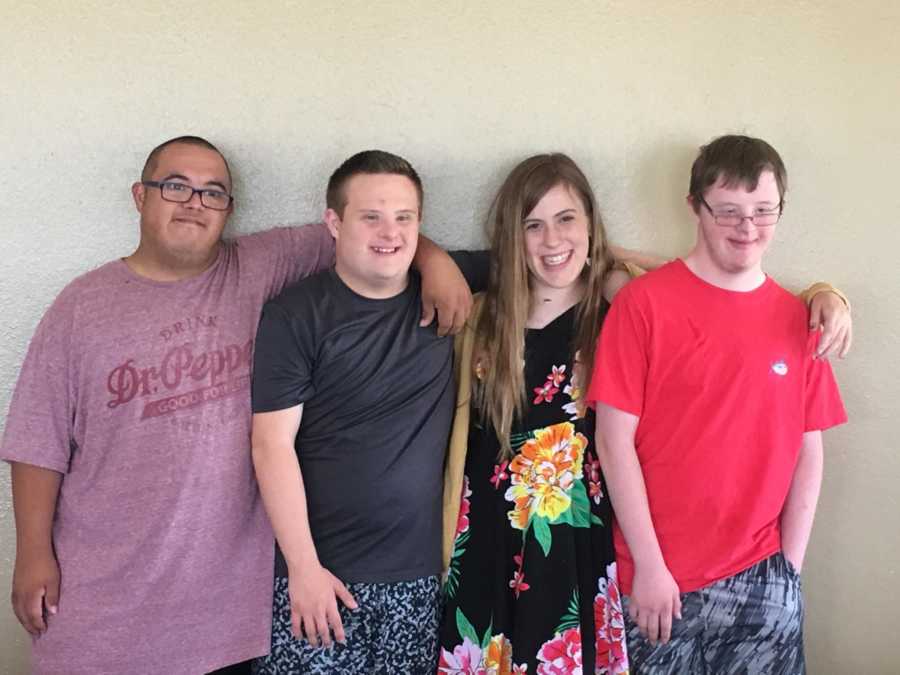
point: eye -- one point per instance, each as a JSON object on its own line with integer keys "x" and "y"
{"x": 532, "y": 225}
{"x": 404, "y": 218}
{"x": 175, "y": 187}
{"x": 371, "y": 217}
{"x": 215, "y": 194}
{"x": 568, "y": 218}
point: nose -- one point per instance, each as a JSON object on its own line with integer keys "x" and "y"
{"x": 389, "y": 229}
{"x": 194, "y": 202}
{"x": 746, "y": 224}
{"x": 551, "y": 235}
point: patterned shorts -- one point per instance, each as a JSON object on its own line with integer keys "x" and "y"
{"x": 748, "y": 624}
{"x": 393, "y": 632}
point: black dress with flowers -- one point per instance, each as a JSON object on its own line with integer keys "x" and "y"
{"x": 532, "y": 582}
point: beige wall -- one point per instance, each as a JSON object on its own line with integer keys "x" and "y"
{"x": 464, "y": 90}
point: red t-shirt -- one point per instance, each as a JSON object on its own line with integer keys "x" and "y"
{"x": 725, "y": 386}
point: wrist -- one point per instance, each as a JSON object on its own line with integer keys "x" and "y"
{"x": 34, "y": 547}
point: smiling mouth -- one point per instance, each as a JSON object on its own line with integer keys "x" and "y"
{"x": 556, "y": 260}
{"x": 385, "y": 250}
{"x": 191, "y": 221}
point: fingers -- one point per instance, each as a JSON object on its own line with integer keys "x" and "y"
{"x": 51, "y": 599}
{"x": 310, "y": 632}
{"x": 334, "y": 620}
{"x": 344, "y": 595}
{"x": 23, "y": 614}
{"x": 648, "y": 623}
{"x": 428, "y": 311}
{"x": 295, "y": 623}
{"x": 815, "y": 315}
{"x": 34, "y": 612}
{"x": 323, "y": 630}
{"x": 445, "y": 320}
{"x": 665, "y": 627}
{"x": 848, "y": 340}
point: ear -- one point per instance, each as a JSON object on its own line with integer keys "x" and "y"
{"x": 333, "y": 221}
{"x": 138, "y": 193}
{"x": 692, "y": 204}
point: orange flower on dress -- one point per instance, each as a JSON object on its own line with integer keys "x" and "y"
{"x": 498, "y": 655}
{"x": 543, "y": 472}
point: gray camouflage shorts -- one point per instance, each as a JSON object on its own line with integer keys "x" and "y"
{"x": 748, "y": 624}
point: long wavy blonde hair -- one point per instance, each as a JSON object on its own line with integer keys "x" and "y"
{"x": 499, "y": 349}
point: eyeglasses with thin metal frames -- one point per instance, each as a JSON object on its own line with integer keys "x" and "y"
{"x": 764, "y": 219}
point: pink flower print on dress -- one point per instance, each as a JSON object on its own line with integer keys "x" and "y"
{"x": 517, "y": 583}
{"x": 545, "y": 392}
{"x": 499, "y": 474}
{"x": 561, "y": 655}
{"x": 609, "y": 622}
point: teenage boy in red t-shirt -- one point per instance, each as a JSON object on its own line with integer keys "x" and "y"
{"x": 710, "y": 411}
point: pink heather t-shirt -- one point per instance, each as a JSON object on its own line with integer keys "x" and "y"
{"x": 139, "y": 393}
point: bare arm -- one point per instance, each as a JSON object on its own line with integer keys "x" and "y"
{"x": 36, "y": 576}
{"x": 800, "y": 506}
{"x": 313, "y": 589}
{"x": 654, "y": 595}
{"x": 646, "y": 261}
{"x": 444, "y": 288}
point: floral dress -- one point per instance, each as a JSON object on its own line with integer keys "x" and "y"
{"x": 532, "y": 583}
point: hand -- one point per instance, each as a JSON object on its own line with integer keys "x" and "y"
{"x": 654, "y": 601}
{"x": 313, "y": 592}
{"x": 35, "y": 589}
{"x": 445, "y": 291}
{"x": 828, "y": 313}
{"x": 794, "y": 559}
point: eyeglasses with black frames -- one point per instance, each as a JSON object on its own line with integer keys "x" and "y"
{"x": 172, "y": 191}
{"x": 731, "y": 217}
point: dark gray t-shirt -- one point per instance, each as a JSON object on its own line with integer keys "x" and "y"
{"x": 377, "y": 395}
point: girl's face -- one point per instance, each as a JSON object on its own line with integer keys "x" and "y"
{"x": 557, "y": 239}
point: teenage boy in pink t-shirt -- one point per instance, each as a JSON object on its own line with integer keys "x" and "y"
{"x": 142, "y": 544}
{"x": 710, "y": 411}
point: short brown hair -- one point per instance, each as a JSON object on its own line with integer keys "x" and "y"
{"x": 153, "y": 157}
{"x": 368, "y": 162}
{"x": 735, "y": 160}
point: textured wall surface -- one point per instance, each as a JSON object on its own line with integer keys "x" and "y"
{"x": 464, "y": 90}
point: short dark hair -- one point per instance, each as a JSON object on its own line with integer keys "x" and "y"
{"x": 153, "y": 157}
{"x": 736, "y": 160}
{"x": 368, "y": 162}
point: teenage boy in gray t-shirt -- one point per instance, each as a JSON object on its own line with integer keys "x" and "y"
{"x": 354, "y": 489}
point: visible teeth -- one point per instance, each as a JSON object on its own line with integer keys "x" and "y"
{"x": 556, "y": 259}
{"x": 378, "y": 249}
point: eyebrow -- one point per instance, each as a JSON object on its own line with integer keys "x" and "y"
{"x": 555, "y": 215}
{"x": 188, "y": 180}
{"x": 371, "y": 210}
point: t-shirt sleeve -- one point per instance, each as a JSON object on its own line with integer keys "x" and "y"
{"x": 284, "y": 255}
{"x": 40, "y": 425}
{"x": 475, "y": 267}
{"x": 823, "y": 405}
{"x": 282, "y": 362}
{"x": 621, "y": 361}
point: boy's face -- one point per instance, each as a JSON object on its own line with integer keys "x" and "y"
{"x": 188, "y": 232}
{"x": 376, "y": 237}
{"x": 735, "y": 249}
